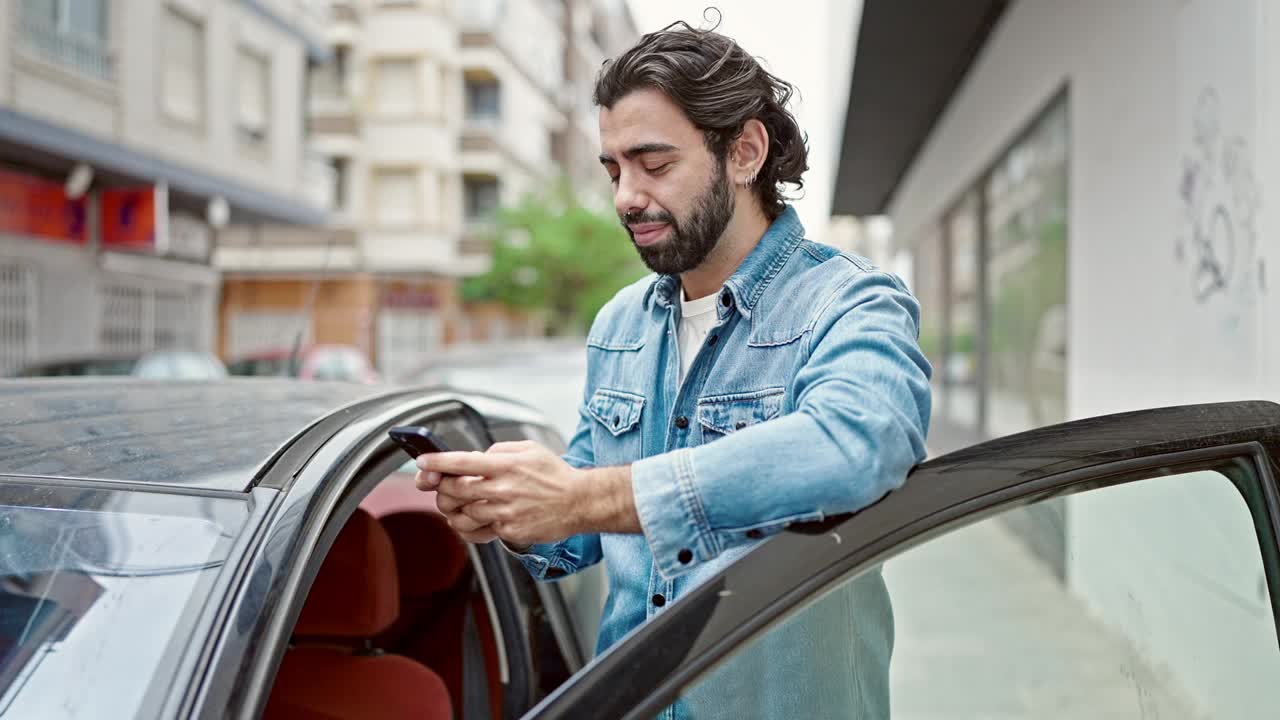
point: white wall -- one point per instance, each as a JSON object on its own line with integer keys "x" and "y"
{"x": 128, "y": 112}
{"x": 1130, "y": 132}
{"x": 1136, "y": 72}
{"x": 213, "y": 147}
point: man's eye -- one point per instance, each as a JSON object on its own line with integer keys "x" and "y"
{"x": 658, "y": 169}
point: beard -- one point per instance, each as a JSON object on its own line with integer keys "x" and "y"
{"x": 691, "y": 239}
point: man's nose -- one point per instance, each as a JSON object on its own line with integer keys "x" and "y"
{"x": 629, "y": 197}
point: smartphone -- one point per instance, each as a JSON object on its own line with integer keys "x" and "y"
{"x": 416, "y": 440}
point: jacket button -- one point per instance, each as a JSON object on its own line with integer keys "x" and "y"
{"x": 682, "y": 422}
{"x": 755, "y": 533}
{"x": 726, "y": 300}
{"x": 659, "y": 601}
{"x": 617, "y": 421}
{"x": 685, "y": 556}
{"x": 712, "y": 340}
{"x": 736, "y": 426}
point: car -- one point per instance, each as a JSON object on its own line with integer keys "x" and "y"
{"x": 252, "y": 548}
{"x": 152, "y": 365}
{"x": 313, "y": 362}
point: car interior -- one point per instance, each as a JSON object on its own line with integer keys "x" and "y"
{"x": 395, "y": 624}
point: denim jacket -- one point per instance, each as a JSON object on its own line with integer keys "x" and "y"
{"x": 809, "y": 398}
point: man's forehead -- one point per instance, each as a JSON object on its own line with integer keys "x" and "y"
{"x": 644, "y": 118}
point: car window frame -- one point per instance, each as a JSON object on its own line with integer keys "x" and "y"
{"x": 661, "y": 658}
{"x": 318, "y": 499}
{"x": 251, "y": 588}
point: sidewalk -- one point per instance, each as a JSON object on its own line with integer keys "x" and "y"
{"x": 985, "y": 631}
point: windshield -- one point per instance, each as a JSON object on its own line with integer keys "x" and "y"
{"x": 100, "y": 592}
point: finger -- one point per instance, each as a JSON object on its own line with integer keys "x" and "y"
{"x": 479, "y": 537}
{"x": 427, "y": 480}
{"x": 463, "y": 463}
{"x": 462, "y": 523}
{"x": 449, "y": 504}
{"x": 466, "y": 488}
{"x": 482, "y": 512}
{"x": 513, "y": 446}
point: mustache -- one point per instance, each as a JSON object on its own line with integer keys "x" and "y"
{"x": 636, "y": 217}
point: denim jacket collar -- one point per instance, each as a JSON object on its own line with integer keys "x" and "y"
{"x": 747, "y": 284}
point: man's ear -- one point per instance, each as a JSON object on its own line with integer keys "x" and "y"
{"x": 750, "y": 151}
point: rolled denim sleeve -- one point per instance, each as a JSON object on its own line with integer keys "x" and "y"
{"x": 552, "y": 561}
{"x": 861, "y": 413}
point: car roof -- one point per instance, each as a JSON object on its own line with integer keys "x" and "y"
{"x": 211, "y": 435}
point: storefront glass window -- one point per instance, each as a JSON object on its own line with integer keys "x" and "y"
{"x": 1026, "y": 268}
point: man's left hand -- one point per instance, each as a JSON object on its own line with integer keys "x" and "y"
{"x": 530, "y": 495}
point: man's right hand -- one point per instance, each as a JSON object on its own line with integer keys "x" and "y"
{"x": 451, "y": 507}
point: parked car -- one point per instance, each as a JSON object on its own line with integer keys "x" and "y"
{"x": 228, "y": 549}
{"x": 153, "y": 365}
{"x": 313, "y": 362}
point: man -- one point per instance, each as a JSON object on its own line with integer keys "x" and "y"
{"x": 756, "y": 380}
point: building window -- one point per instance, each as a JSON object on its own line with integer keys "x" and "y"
{"x": 138, "y": 318}
{"x": 123, "y": 322}
{"x": 396, "y": 87}
{"x": 396, "y": 201}
{"x": 17, "y": 316}
{"x": 928, "y": 284}
{"x": 329, "y": 80}
{"x": 998, "y": 261}
{"x": 253, "y": 79}
{"x": 482, "y": 100}
{"x": 71, "y": 33}
{"x": 1026, "y": 271}
{"x": 341, "y": 171}
{"x": 182, "y": 71}
{"x": 962, "y": 229}
{"x": 482, "y": 198}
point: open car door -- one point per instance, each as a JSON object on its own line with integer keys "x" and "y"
{"x": 1120, "y": 566}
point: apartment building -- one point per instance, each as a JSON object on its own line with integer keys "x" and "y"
{"x": 130, "y": 134}
{"x": 433, "y": 114}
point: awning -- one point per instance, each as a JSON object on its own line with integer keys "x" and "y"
{"x": 911, "y": 57}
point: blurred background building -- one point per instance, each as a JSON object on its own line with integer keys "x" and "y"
{"x": 430, "y": 115}
{"x": 1080, "y": 192}
{"x": 130, "y": 133}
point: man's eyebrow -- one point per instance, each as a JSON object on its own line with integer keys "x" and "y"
{"x": 643, "y": 149}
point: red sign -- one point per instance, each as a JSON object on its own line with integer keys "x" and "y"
{"x": 129, "y": 218}
{"x": 34, "y": 206}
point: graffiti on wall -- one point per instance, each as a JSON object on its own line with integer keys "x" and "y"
{"x": 1219, "y": 197}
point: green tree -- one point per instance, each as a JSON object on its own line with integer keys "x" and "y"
{"x": 551, "y": 253}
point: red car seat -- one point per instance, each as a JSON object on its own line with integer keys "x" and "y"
{"x": 333, "y": 671}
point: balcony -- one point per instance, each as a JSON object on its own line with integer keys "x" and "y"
{"x": 84, "y": 55}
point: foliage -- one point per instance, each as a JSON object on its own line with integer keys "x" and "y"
{"x": 553, "y": 254}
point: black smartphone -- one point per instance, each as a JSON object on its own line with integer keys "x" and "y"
{"x": 416, "y": 440}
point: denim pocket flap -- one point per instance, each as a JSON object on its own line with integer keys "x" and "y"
{"x": 729, "y": 413}
{"x": 617, "y": 411}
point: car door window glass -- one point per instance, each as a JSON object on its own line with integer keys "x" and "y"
{"x": 1163, "y": 611}
{"x": 99, "y": 593}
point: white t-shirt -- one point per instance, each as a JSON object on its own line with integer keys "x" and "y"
{"x": 697, "y": 317}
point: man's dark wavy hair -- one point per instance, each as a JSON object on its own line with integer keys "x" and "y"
{"x": 719, "y": 87}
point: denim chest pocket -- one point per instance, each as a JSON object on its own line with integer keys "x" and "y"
{"x": 615, "y": 437}
{"x": 720, "y": 415}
